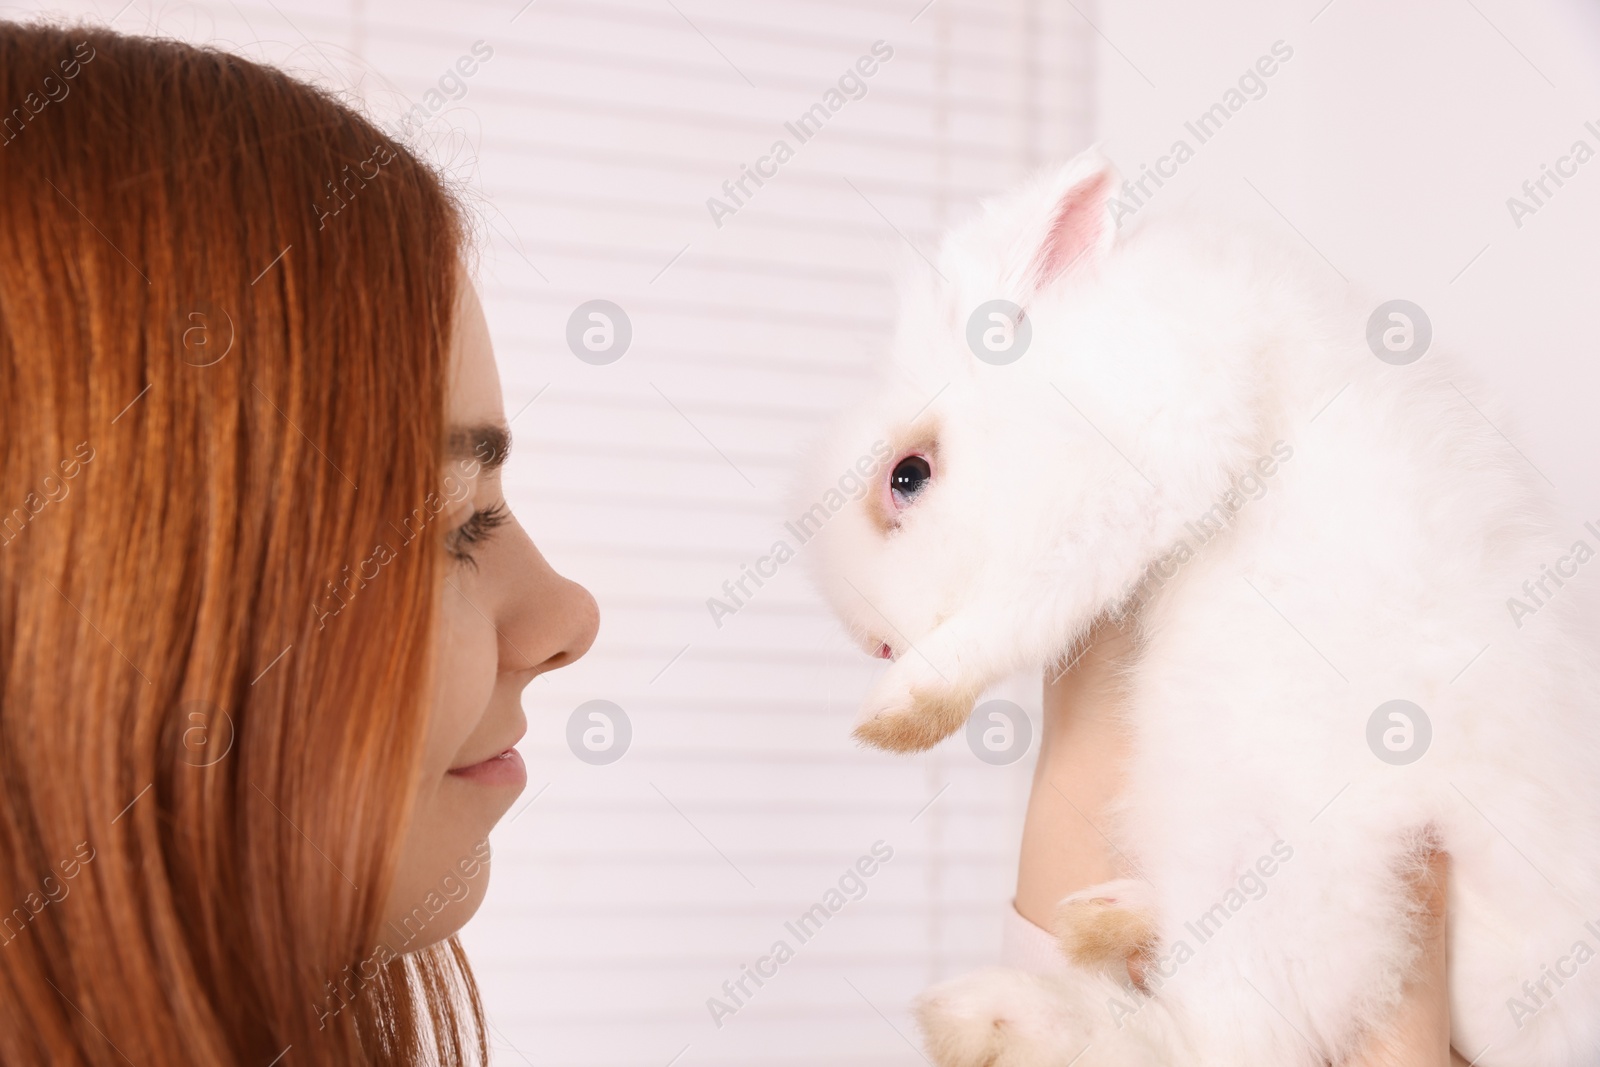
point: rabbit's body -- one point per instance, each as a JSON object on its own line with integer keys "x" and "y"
{"x": 1373, "y": 527}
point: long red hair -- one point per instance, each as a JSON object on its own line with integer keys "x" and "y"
{"x": 216, "y": 393}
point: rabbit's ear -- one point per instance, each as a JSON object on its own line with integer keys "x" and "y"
{"x": 1074, "y": 229}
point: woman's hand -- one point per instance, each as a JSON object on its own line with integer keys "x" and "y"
{"x": 1421, "y": 1030}
{"x": 1082, "y": 750}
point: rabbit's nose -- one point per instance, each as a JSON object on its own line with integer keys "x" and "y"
{"x": 885, "y": 652}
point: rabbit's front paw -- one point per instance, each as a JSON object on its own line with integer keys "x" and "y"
{"x": 902, "y": 718}
{"x": 1109, "y": 926}
{"x": 993, "y": 1018}
{"x": 920, "y": 700}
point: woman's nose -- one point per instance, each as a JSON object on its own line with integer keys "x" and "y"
{"x": 549, "y": 620}
{"x": 575, "y": 606}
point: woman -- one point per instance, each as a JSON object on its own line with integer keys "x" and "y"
{"x": 264, "y": 617}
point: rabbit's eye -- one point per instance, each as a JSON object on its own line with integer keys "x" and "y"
{"x": 908, "y": 478}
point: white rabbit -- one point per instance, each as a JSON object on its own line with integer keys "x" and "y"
{"x": 1197, "y": 436}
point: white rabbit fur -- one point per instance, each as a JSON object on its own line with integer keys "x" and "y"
{"x": 1166, "y": 359}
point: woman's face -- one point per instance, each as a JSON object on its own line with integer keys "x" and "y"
{"x": 505, "y": 617}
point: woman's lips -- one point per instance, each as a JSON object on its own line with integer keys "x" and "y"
{"x": 505, "y": 769}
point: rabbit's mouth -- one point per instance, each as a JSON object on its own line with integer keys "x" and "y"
{"x": 875, "y": 646}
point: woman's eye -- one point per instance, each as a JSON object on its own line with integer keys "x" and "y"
{"x": 479, "y": 525}
{"x": 907, "y": 479}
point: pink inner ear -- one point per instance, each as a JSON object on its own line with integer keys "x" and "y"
{"x": 1075, "y": 231}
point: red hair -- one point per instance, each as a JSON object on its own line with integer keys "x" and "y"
{"x": 216, "y": 396}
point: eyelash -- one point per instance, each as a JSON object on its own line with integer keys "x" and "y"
{"x": 477, "y": 529}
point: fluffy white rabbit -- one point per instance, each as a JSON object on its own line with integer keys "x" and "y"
{"x": 1198, "y": 436}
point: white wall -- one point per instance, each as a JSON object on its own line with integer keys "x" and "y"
{"x": 1392, "y": 140}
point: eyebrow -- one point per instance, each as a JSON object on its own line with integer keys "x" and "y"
{"x": 489, "y": 443}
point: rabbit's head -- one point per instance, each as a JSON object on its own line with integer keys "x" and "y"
{"x": 1040, "y": 431}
